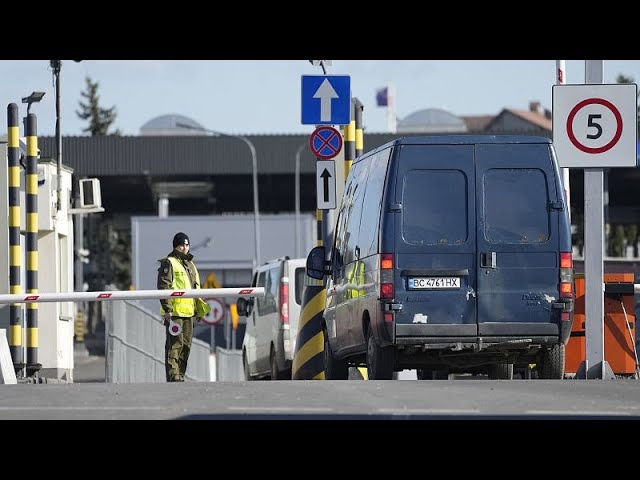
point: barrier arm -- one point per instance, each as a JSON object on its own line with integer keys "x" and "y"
{"x": 131, "y": 295}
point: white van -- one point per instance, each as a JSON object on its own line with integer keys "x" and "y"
{"x": 272, "y": 321}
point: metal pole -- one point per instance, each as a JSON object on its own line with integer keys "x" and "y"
{"x": 254, "y": 162}
{"x": 297, "y": 200}
{"x": 31, "y": 243}
{"x": 594, "y": 366}
{"x": 256, "y": 213}
{"x": 561, "y": 79}
{"x": 57, "y": 66}
{"x": 16, "y": 317}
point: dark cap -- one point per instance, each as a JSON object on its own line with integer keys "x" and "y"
{"x": 180, "y": 239}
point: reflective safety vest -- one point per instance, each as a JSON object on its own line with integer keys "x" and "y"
{"x": 355, "y": 280}
{"x": 181, "y": 307}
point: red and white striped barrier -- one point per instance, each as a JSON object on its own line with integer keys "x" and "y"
{"x": 131, "y": 295}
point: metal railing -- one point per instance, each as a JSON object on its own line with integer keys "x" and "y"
{"x": 134, "y": 346}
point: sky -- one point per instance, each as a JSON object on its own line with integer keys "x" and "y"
{"x": 251, "y": 97}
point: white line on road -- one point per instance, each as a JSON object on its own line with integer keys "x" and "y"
{"x": 436, "y": 411}
{"x": 39, "y": 408}
{"x": 282, "y": 409}
{"x": 573, "y": 412}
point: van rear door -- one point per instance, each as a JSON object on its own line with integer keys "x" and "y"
{"x": 435, "y": 241}
{"x": 517, "y": 238}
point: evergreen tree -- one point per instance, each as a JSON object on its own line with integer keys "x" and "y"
{"x": 623, "y": 79}
{"x": 100, "y": 119}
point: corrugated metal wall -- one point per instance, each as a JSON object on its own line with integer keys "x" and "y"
{"x": 190, "y": 155}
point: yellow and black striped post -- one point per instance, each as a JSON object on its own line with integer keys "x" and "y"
{"x": 349, "y": 144}
{"x": 15, "y": 310}
{"x": 31, "y": 243}
{"x": 308, "y": 358}
{"x": 357, "y": 115}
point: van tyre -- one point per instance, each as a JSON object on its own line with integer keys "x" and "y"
{"x": 379, "y": 359}
{"x": 551, "y": 364}
{"x": 275, "y": 373}
{"x": 501, "y": 371}
{"x": 245, "y": 367}
{"x": 334, "y": 369}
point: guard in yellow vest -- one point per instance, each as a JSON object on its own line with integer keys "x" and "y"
{"x": 178, "y": 272}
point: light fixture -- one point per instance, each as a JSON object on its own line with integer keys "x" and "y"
{"x": 35, "y": 97}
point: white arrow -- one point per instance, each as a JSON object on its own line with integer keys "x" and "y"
{"x": 325, "y": 93}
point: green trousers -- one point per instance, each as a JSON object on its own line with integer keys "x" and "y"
{"x": 177, "y": 349}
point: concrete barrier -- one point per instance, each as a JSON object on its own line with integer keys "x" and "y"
{"x": 7, "y": 372}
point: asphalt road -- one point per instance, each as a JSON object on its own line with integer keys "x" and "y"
{"x": 350, "y": 399}
{"x": 87, "y": 368}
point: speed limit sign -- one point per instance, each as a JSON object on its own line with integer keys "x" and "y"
{"x": 216, "y": 314}
{"x": 595, "y": 125}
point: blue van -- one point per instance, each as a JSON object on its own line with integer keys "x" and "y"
{"x": 450, "y": 254}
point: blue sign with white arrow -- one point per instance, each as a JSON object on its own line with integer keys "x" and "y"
{"x": 326, "y": 99}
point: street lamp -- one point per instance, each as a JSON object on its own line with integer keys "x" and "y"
{"x": 254, "y": 161}
{"x": 35, "y": 97}
{"x": 297, "y": 193}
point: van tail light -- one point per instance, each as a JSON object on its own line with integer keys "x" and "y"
{"x": 386, "y": 276}
{"x": 566, "y": 276}
{"x": 284, "y": 302}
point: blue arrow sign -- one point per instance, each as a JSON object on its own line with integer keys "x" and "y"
{"x": 326, "y": 99}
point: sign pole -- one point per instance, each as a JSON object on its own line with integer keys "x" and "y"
{"x": 594, "y": 365}
{"x": 589, "y": 132}
{"x": 561, "y": 79}
{"x": 213, "y": 339}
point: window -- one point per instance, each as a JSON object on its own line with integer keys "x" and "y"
{"x": 516, "y": 202}
{"x": 354, "y": 211}
{"x": 299, "y": 276}
{"x": 434, "y": 207}
{"x": 368, "y": 236}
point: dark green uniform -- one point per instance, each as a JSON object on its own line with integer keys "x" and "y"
{"x": 177, "y": 347}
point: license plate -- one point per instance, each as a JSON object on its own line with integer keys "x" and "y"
{"x": 433, "y": 283}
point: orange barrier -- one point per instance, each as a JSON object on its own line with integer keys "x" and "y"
{"x": 618, "y": 344}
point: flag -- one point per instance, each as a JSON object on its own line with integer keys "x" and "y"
{"x": 382, "y": 97}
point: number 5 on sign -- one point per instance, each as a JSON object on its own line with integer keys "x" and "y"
{"x": 595, "y": 126}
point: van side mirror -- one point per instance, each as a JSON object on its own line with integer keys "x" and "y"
{"x": 317, "y": 266}
{"x": 244, "y": 307}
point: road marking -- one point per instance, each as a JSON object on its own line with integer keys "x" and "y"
{"x": 39, "y": 408}
{"x": 427, "y": 411}
{"x": 282, "y": 409}
{"x": 574, "y": 412}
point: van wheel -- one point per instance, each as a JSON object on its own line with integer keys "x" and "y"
{"x": 551, "y": 364}
{"x": 334, "y": 369}
{"x": 275, "y": 373}
{"x": 245, "y": 367}
{"x": 379, "y": 359}
{"x": 501, "y": 371}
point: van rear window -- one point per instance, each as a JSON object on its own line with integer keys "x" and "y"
{"x": 434, "y": 207}
{"x": 299, "y": 276}
{"x": 516, "y": 206}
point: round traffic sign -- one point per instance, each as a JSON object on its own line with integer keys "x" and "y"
{"x": 216, "y": 314}
{"x": 594, "y": 126}
{"x": 325, "y": 142}
{"x": 591, "y": 127}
